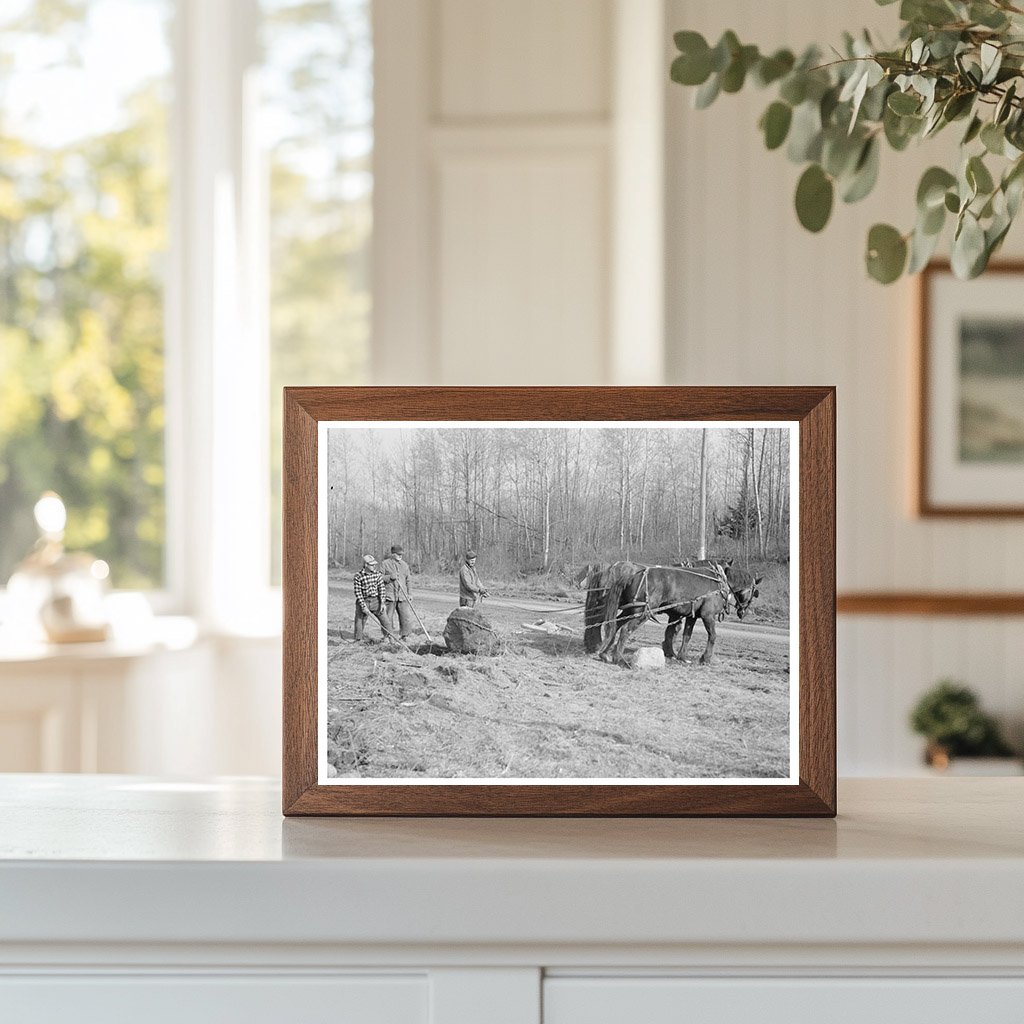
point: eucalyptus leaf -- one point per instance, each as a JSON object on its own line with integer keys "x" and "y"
{"x": 900, "y": 130}
{"x": 886, "y": 254}
{"x": 1013, "y": 187}
{"x": 993, "y": 138}
{"x": 978, "y": 176}
{"x": 865, "y": 173}
{"x": 814, "y": 196}
{"x": 944, "y": 44}
{"x": 931, "y": 190}
{"x": 840, "y": 152}
{"x": 771, "y": 69}
{"x": 968, "y": 247}
{"x": 775, "y": 124}
{"x": 707, "y": 93}
{"x": 973, "y": 130}
{"x": 995, "y": 233}
{"x": 1014, "y": 192}
{"x": 873, "y": 106}
{"x": 932, "y": 221}
{"x": 987, "y": 15}
{"x": 991, "y": 60}
{"x": 735, "y": 74}
{"x": 903, "y": 103}
{"x": 724, "y": 51}
{"x": 1005, "y": 105}
{"x": 794, "y": 88}
{"x": 805, "y": 133}
{"x": 925, "y": 87}
{"x": 958, "y": 105}
{"x": 922, "y": 248}
{"x": 828, "y": 105}
{"x": 933, "y": 122}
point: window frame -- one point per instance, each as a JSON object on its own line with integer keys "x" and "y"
{"x": 216, "y": 328}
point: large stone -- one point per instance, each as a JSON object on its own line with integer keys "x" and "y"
{"x": 648, "y": 658}
{"x": 467, "y": 631}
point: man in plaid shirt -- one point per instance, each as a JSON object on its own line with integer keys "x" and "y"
{"x": 369, "y": 589}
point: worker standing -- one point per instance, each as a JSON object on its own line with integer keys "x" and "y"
{"x": 471, "y": 590}
{"x": 396, "y": 590}
{"x": 368, "y": 585}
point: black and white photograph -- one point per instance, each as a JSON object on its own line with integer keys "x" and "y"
{"x": 570, "y": 602}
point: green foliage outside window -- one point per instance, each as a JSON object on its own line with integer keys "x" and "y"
{"x": 83, "y": 242}
{"x": 83, "y": 228}
{"x": 318, "y": 110}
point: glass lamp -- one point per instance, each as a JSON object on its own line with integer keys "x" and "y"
{"x": 55, "y": 595}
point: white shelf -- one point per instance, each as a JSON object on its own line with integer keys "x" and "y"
{"x": 120, "y": 859}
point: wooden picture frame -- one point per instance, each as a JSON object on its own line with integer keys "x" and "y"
{"x": 808, "y": 413}
{"x": 946, "y": 483}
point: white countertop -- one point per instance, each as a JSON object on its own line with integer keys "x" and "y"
{"x": 120, "y": 859}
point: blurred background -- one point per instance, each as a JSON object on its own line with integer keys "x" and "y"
{"x": 202, "y": 201}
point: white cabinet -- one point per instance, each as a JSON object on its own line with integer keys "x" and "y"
{"x": 142, "y": 899}
{"x": 202, "y": 999}
{"x": 822, "y": 1000}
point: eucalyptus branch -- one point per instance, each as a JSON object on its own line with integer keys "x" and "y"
{"x": 952, "y": 62}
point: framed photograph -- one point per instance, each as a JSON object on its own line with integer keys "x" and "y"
{"x": 559, "y": 601}
{"x": 970, "y": 451}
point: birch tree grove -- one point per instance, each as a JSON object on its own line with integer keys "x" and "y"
{"x": 535, "y": 500}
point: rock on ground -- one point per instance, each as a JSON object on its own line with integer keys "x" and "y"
{"x": 647, "y": 658}
{"x": 467, "y": 631}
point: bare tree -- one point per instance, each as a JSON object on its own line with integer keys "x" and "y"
{"x": 702, "y": 515}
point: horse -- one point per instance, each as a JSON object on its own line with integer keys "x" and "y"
{"x": 710, "y": 609}
{"x": 742, "y": 584}
{"x": 598, "y": 580}
{"x": 742, "y": 591}
{"x": 654, "y": 590}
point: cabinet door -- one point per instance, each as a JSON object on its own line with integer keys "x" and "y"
{"x": 782, "y": 1000}
{"x": 203, "y": 999}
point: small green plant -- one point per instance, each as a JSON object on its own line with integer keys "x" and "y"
{"x": 956, "y": 61}
{"x": 951, "y": 718}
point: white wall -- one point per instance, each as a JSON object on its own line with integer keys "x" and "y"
{"x": 754, "y": 299}
{"x": 515, "y": 226}
{"x": 501, "y": 148}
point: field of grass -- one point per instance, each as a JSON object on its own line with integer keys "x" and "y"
{"x": 543, "y": 708}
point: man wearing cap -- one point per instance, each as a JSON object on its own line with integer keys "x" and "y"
{"x": 396, "y": 590}
{"x": 470, "y": 588}
{"x": 369, "y": 588}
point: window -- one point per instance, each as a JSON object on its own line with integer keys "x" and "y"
{"x": 167, "y": 264}
{"x": 317, "y": 116}
{"x": 83, "y": 237}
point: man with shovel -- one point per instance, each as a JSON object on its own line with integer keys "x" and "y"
{"x": 368, "y": 585}
{"x": 396, "y": 590}
{"x": 471, "y": 590}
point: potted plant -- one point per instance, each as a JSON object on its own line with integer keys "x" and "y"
{"x": 956, "y": 62}
{"x": 950, "y": 717}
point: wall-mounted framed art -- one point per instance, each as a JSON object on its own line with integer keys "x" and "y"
{"x": 970, "y": 444}
{"x": 488, "y": 594}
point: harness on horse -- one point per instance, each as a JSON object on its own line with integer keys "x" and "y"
{"x": 722, "y": 586}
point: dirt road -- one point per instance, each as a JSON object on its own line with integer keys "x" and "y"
{"x": 511, "y": 613}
